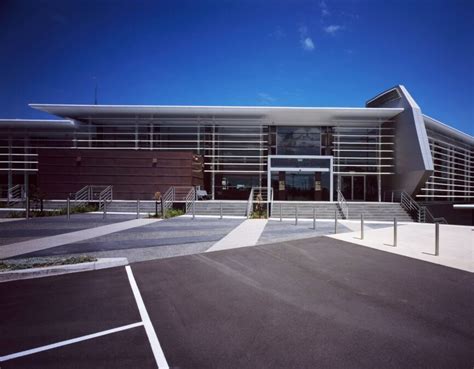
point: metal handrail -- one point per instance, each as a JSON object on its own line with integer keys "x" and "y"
{"x": 250, "y": 203}
{"x": 411, "y": 206}
{"x": 105, "y": 195}
{"x": 270, "y": 204}
{"x": 94, "y": 193}
{"x": 341, "y": 201}
{"x": 83, "y": 194}
{"x": 15, "y": 194}
{"x": 168, "y": 199}
{"x": 433, "y": 219}
{"x": 190, "y": 199}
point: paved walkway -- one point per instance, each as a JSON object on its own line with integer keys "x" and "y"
{"x": 29, "y": 246}
{"x": 246, "y": 234}
{"x": 6, "y": 220}
{"x": 417, "y": 240}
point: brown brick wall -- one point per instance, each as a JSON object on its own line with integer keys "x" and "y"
{"x": 132, "y": 173}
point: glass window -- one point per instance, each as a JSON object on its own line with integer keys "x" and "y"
{"x": 298, "y": 140}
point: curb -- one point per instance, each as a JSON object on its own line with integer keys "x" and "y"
{"x": 101, "y": 263}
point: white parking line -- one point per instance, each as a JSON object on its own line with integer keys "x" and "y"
{"x": 68, "y": 342}
{"x": 150, "y": 331}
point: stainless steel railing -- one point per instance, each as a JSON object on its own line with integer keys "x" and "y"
{"x": 342, "y": 203}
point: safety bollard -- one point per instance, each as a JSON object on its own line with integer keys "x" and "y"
{"x": 395, "y": 232}
{"x": 314, "y": 218}
{"x": 194, "y": 209}
{"x": 138, "y": 208}
{"x": 362, "y": 226}
{"x": 296, "y": 216}
{"x": 105, "y": 210}
{"x": 68, "y": 208}
{"x": 280, "y": 213}
{"x": 335, "y": 221}
{"x": 436, "y": 238}
{"x": 27, "y": 210}
{"x": 221, "y": 209}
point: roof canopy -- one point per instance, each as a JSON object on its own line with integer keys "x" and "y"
{"x": 275, "y": 115}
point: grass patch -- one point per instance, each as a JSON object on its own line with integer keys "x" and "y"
{"x": 41, "y": 263}
{"x": 171, "y": 213}
{"x": 258, "y": 214}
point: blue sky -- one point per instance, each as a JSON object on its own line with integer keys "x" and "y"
{"x": 287, "y": 53}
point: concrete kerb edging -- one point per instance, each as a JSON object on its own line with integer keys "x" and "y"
{"x": 101, "y": 263}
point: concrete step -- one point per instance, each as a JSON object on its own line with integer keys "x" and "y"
{"x": 234, "y": 208}
{"x": 305, "y": 210}
{"x": 371, "y": 211}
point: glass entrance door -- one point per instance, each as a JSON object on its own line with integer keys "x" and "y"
{"x": 353, "y": 187}
{"x": 299, "y": 186}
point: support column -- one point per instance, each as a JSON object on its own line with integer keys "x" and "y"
{"x": 10, "y": 173}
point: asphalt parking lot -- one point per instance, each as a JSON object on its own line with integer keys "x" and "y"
{"x": 300, "y": 304}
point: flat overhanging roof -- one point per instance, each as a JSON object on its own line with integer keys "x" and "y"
{"x": 444, "y": 128}
{"x": 277, "y": 115}
{"x": 37, "y": 123}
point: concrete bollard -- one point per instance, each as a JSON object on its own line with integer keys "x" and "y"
{"x": 220, "y": 209}
{"x": 280, "y": 213}
{"x": 314, "y": 218}
{"x": 138, "y": 208}
{"x": 68, "y": 208}
{"x": 296, "y": 216}
{"x": 335, "y": 221}
{"x": 105, "y": 210}
{"x": 436, "y": 238}
{"x": 395, "y": 232}
{"x": 362, "y": 226}
{"x": 194, "y": 209}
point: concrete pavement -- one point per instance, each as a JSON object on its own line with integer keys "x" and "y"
{"x": 246, "y": 234}
{"x": 38, "y": 244}
{"x": 417, "y": 240}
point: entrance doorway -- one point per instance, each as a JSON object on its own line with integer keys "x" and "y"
{"x": 300, "y": 178}
{"x": 353, "y": 187}
{"x": 299, "y": 186}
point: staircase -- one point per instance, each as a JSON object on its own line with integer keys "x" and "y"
{"x": 130, "y": 206}
{"x": 211, "y": 207}
{"x": 383, "y": 211}
{"x": 324, "y": 210}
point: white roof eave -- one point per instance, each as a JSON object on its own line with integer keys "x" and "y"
{"x": 274, "y": 114}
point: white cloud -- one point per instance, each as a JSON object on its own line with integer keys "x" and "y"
{"x": 266, "y": 98}
{"x": 332, "y": 29}
{"x": 307, "y": 43}
{"x": 305, "y": 40}
{"x": 324, "y": 8}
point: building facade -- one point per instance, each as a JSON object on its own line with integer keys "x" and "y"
{"x": 303, "y": 154}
